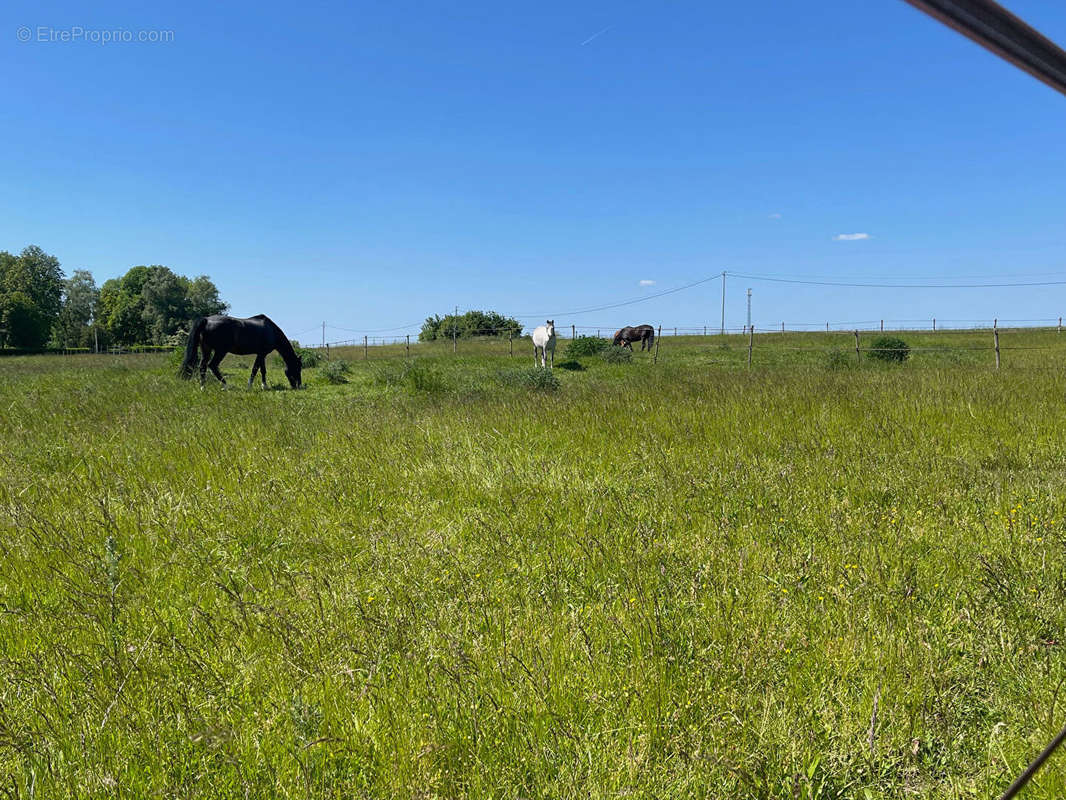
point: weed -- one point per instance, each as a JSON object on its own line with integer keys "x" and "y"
{"x": 616, "y": 355}
{"x": 335, "y": 371}
{"x": 537, "y": 378}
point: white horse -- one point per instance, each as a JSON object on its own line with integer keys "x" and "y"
{"x": 544, "y": 340}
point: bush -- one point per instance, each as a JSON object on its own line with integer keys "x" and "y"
{"x": 586, "y": 346}
{"x": 537, "y": 378}
{"x": 310, "y": 358}
{"x": 472, "y": 323}
{"x": 336, "y": 371}
{"x": 616, "y": 355}
{"x": 890, "y": 349}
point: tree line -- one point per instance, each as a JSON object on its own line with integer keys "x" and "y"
{"x": 41, "y": 307}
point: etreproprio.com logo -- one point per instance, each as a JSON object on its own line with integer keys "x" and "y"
{"x": 48, "y": 34}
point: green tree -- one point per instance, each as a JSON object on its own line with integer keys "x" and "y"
{"x": 203, "y": 298}
{"x": 73, "y": 325}
{"x": 166, "y": 303}
{"x": 472, "y": 323}
{"x": 151, "y": 303}
{"x": 31, "y": 291}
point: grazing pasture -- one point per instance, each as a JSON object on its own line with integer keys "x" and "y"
{"x": 449, "y": 577}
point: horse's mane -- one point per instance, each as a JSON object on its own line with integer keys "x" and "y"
{"x": 283, "y": 346}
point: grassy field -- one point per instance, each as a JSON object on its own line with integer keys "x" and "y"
{"x": 811, "y": 579}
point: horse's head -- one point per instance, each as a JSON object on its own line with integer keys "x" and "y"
{"x": 550, "y": 325}
{"x": 293, "y": 372}
{"x": 618, "y": 336}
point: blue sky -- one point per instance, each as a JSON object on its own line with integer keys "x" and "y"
{"x": 370, "y": 164}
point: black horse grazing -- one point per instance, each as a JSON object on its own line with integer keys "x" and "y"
{"x": 645, "y": 334}
{"x": 218, "y": 335}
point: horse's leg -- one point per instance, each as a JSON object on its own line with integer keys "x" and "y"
{"x": 263, "y": 369}
{"x": 260, "y": 367}
{"x": 213, "y": 365}
{"x": 535, "y": 359}
{"x": 553, "y": 359}
{"x": 203, "y": 366}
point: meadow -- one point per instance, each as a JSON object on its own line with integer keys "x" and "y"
{"x": 820, "y": 577}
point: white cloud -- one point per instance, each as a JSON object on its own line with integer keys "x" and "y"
{"x": 775, "y": 216}
{"x": 850, "y": 237}
{"x": 647, "y": 283}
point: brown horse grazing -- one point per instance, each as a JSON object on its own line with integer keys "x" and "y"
{"x": 645, "y": 334}
{"x": 218, "y": 335}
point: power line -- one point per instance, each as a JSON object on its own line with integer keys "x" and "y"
{"x": 621, "y": 303}
{"x": 375, "y": 330}
{"x": 863, "y": 285}
{"x": 1000, "y": 31}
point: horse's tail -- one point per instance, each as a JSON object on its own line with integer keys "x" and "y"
{"x": 190, "y": 347}
{"x": 651, "y": 338}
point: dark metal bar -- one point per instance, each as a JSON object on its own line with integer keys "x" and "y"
{"x": 998, "y": 30}
{"x": 1023, "y": 779}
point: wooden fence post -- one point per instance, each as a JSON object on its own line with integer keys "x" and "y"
{"x": 408, "y": 353}
{"x": 995, "y": 338}
{"x": 655, "y": 357}
{"x": 827, "y": 327}
{"x": 1060, "y": 324}
{"x": 675, "y": 331}
{"x": 366, "y": 350}
{"x": 510, "y": 342}
{"x": 782, "y": 327}
{"x": 751, "y": 343}
{"x": 327, "y": 351}
{"x": 934, "y": 324}
{"x": 882, "y": 326}
{"x": 453, "y": 340}
{"x": 573, "y": 331}
{"x": 858, "y": 354}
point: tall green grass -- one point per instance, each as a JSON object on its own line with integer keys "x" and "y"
{"x": 687, "y": 579}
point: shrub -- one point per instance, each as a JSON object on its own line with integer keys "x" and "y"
{"x": 616, "y": 355}
{"x": 472, "y": 323}
{"x": 889, "y": 349}
{"x": 309, "y": 358}
{"x": 537, "y": 378}
{"x": 586, "y": 346}
{"x": 336, "y": 371}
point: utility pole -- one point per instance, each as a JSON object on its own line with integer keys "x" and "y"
{"x": 749, "y": 309}
{"x": 723, "y": 302}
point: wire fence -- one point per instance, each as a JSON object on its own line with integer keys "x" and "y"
{"x": 565, "y": 331}
{"x": 513, "y": 341}
{"x": 856, "y": 338}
